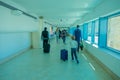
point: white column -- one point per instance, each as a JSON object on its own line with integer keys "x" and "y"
{"x": 36, "y": 36}
{"x": 41, "y": 21}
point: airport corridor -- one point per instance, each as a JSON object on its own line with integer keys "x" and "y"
{"x": 36, "y": 65}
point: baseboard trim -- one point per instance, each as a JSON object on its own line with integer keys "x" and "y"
{"x": 13, "y": 56}
{"x": 113, "y": 75}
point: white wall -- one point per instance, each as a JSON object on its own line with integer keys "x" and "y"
{"x": 14, "y": 23}
{"x": 108, "y": 58}
{"x": 15, "y": 32}
{"x": 13, "y": 42}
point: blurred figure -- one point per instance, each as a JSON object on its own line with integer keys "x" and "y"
{"x": 63, "y": 36}
{"x": 45, "y": 36}
{"x": 78, "y": 37}
{"x": 57, "y": 35}
{"x": 74, "y": 45}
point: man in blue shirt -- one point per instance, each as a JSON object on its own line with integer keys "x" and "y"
{"x": 78, "y": 37}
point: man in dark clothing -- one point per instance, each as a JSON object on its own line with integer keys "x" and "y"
{"x": 78, "y": 37}
{"x": 64, "y": 36}
{"x": 45, "y": 37}
{"x": 59, "y": 33}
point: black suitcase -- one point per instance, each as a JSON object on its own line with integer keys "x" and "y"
{"x": 46, "y": 48}
{"x": 64, "y": 54}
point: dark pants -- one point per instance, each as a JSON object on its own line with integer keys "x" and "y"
{"x": 45, "y": 42}
{"x": 73, "y": 54}
{"x": 78, "y": 42}
{"x": 64, "y": 39}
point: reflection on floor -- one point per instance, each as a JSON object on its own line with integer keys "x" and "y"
{"x": 36, "y": 65}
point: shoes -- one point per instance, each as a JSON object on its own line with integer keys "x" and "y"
{"x": 77, "y": 62}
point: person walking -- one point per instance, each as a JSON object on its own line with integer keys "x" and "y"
{"x": 78, "y": 37}
{"x": 57, "y": 35}
{"x": 45, "y": 36}
{"x": 73, "y": 44}
{"x": 64, "y": 36}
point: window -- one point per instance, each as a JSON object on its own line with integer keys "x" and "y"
{"x": 113, "y": 34}
{"x": 85, "y": 31}
{"x": 81, "y": 28}
{"x": 102, "y": 34}
{"x": 71, "y": 30}
{"x": 89, "y": 31}
{"x": 96, "y": 31}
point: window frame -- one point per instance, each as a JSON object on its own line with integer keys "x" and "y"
{"x": 102, "y": 32}
{"x": 96, "y": 21}
{"x": 111, "y": 48}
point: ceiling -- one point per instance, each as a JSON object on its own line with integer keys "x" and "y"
{"x": 62, "y": 13}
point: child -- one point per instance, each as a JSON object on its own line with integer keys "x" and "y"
{"x": 74, "y": 45}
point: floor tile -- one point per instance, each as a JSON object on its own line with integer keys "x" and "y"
{"x": 36, "y": 65}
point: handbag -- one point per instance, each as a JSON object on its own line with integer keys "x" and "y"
{"x": 81, "y": 45}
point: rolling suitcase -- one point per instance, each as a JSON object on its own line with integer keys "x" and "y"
{"x": 64, "y": 54}
{"x": 47, "y": 48}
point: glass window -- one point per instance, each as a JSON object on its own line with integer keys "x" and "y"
{"x": 71, "y": 30}
{"x": 89, "y": 31}
{"x": 113, "y": 34}
{"x": 85, "y": 31}
{"x": 102, "y": 34}
{"x": 81, "y": 28}
{"x": 96, "y": 31}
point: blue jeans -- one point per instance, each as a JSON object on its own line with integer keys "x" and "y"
{"x": 73, "y": 54}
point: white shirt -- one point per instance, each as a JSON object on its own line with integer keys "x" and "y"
{"x": 73, "y": 44}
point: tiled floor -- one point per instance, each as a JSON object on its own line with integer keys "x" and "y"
{"x": 35, "y": 65}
